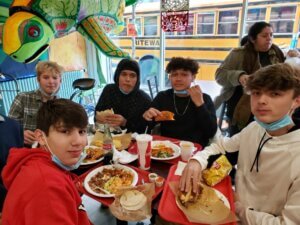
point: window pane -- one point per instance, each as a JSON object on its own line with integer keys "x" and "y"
{"x": 150, "y": 25}
{"x": 205, "y": 23}
{"x": 287, "y": 12}
{"x": 229, "y": 16}
{"x": 138, "y": 25}
{"x": 124, "y": 31}
{"x": 256, "y": 14}
{"x": 282, "y": 26}
{"x": 190, "y": 27}
{"x": 228, "y": 28}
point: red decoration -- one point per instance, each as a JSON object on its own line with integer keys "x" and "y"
{"x": 174, "y": 21}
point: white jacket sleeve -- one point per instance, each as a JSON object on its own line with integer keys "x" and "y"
{"x": 221, "y": 145}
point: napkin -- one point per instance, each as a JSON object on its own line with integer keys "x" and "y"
{"x": 124, "y": 156}
{"x": 180, "y": 167}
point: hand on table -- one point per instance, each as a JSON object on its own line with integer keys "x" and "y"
{"x": 29, "y": 137}
{"x": 191, "y": 176}
{"x": 151, "y": 113}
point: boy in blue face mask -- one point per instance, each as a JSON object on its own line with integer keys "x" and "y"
{"x": 41, "y": 190}
{"x": 268, "y": 175}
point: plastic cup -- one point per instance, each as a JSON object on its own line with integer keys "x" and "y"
{"x": 144, "y": 150}
{"x": 187, "y": 148}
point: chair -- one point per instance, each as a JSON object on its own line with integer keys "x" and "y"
{"x": 85, "y": 94}
{"x": 153, "y": 86}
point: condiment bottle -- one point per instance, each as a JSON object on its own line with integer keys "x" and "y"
{"x": 107, "y": 145}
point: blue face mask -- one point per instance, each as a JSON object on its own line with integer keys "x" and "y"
{"x": 123, "y": 92}
{"x": 182, "y": 92}
{"x": 59, "y": 163}
{"x": 283, "y": 122}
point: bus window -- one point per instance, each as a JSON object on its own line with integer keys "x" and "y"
{"x": 138, "y": 25}
{"x": 124, "y": 31}
{"x": 228, "y": 22}
{"x": 190, "y": 27}
{"x": 150, "y": 26}
{"x": 255, "y": 15}
{"x": 282, "y": 19}
{"x": 205, "y": 23}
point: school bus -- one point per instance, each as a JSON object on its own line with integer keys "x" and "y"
{"x": 213, "y": 29}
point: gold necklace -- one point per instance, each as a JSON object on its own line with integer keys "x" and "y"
{"x": 176, "y": 110}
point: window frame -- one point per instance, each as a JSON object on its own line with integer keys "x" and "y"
{"x": 214, "y": 23}
{"x": 271, "y": 21}
{"x": 220, "y": 23}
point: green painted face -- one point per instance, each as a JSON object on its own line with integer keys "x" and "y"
{"x": 34, "y": 36}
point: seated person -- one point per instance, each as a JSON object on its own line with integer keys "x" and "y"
{"x": 11, "y": 135}
{"x": 293, "y": 58}
{"x": 125, "y": 98}
{"x": 268, "y": 175}
{"x": 194, "y": 112}
{"x": 26, "y": 104}
{"x": 41, "y": 190}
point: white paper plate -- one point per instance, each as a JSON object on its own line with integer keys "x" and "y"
{"x": 175, "y": 148}
{"x": 124, "y": 157}
{"x": 99, "y": 169}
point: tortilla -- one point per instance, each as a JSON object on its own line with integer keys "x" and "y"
{"x": 165, "y": 116}
{"x": 133, "y": 200}
{"x": 105, "y": 112}
{"x": 206, "y": 208}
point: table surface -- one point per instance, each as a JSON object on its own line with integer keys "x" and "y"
{"x": 159, "y": 167}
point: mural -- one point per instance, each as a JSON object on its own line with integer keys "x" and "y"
{"x": 33, "y": 23}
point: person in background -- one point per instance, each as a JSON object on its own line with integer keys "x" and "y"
{"x": 194, "y": 112}
{"x": 126, "y": 99}
{"x": 41, "y": 190}
{"x": 268, "y": 176}
{"x": 11, "y": 135}
{"x": 258, "y": 51}
{"x": 26, "y": 104}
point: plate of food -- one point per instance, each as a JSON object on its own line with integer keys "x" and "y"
{"x": 164, "y": 150}
{"x": 94, "y": 154}
{"x": 104, "y": 181}
{"x": 209, "y": 206}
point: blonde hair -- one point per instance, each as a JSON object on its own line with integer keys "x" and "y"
{"x": 53, "y": 67}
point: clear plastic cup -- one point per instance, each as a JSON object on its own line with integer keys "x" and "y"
{"x": 187, "y": 149}
{"x": 144, "y": 150}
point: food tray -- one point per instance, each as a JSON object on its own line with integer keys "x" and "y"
{"x": 168, "y": 209}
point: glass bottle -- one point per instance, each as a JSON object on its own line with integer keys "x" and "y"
{"x": 107, "y": 145}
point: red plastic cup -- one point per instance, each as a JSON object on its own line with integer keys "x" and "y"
{"x": 144, "y": 150}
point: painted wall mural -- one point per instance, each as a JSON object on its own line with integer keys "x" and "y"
{"x": 33, "y": 23}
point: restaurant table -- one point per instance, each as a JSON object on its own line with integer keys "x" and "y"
{"x": 161, "y": 167}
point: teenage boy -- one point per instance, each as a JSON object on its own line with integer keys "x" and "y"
{"x": 26, "y": 104}
{"x": 41, "y": 190}
{"x": 268, "y": 174}
{"x": 194, "y": 112}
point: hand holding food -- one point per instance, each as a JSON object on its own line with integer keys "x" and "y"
{"x": 196, "y": 95}
{"x": 190, "y": 175}
{"x": 151, "y": 113}
{"x": 101, "y": 115}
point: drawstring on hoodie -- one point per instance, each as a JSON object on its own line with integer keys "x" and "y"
{"x": 260, "y": 146}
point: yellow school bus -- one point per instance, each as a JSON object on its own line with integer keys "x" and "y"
{"x": 212, "y": 32}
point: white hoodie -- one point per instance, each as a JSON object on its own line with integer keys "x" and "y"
{"x": 274, "y": 192}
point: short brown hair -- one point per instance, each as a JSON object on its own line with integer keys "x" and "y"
{"x": 278, "y": 77}
{"x": 53, "y": 67}
{"x": 59, "y": 112}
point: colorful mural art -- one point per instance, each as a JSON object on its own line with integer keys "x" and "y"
{"x": 33, "y": 23}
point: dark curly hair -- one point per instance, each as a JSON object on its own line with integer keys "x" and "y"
{"x": 186, "y": 64}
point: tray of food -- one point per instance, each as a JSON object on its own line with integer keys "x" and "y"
{"x": 175, "y": 207}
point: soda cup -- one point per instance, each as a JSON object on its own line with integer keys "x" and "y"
{"x": 144, "y": 150}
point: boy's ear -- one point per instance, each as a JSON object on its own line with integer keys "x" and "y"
{"x": 296, "y": 103}
{"x": 40, "y": 137}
